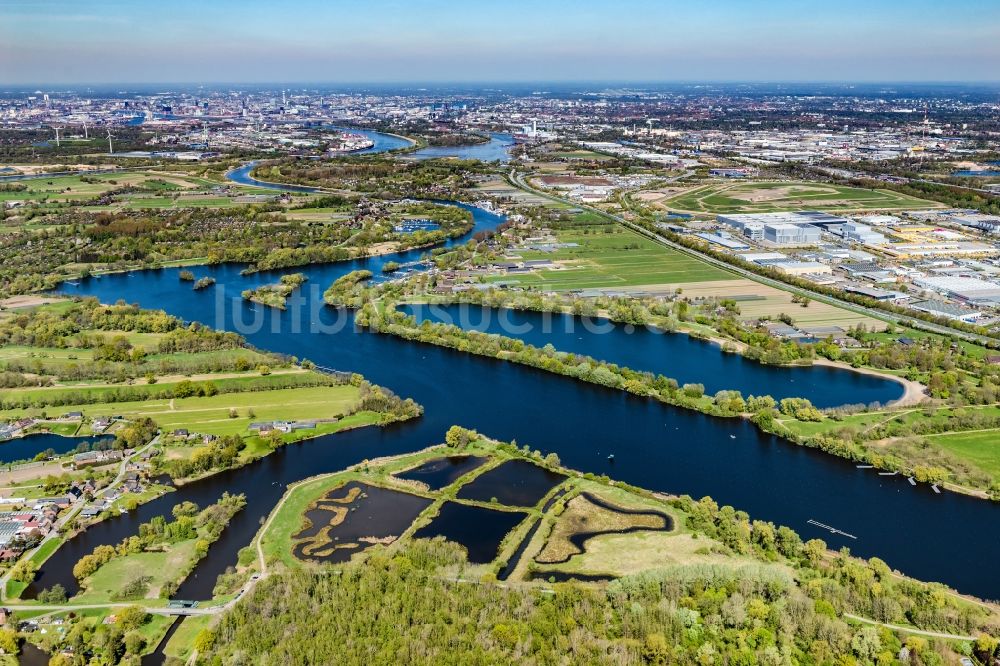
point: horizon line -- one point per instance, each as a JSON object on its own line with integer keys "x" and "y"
{"x": 522, "y": 82}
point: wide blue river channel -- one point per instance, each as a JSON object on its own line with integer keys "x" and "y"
{"x": 926, "y": 535}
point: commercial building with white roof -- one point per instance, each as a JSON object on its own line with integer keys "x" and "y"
{"x": 963, "y": 288}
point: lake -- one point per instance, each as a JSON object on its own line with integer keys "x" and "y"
{"x": 368, "y": 512}
{"x": 26, "y": 448}
{"x": 656, "y": 446}
{"x": 513, "y": 483}
{"x": 441, "y": 472}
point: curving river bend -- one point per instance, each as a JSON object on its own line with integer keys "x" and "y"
{"x": 926, "y": 535}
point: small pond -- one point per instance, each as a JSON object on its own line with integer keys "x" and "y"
{"x": 354, "y": 517}
{"x": 566, "y": 576}
{"x": 441, "y": 472}
{"x": 514, "y": 483}
{"x": 480, "y": 531}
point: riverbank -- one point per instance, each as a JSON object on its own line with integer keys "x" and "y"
{"x": 502, "y": 311}
{"x": 914, "y": 393}
{"x": 366, "y": 420}
{"x": 701, "y": 537}
{"x": 413, "y": 142}
{"x": 367, "y": 131}
{"x": 811, "y": 429}
{"x": 731, "y": 460}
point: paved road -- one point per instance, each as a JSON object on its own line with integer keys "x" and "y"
{"x": 162, "y": 610}
{"x": 517, "y": 180}
{"x": 123, "y": 467}
{"x": 74, "y": 509}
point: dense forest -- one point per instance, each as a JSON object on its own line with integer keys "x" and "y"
{"x": 414, "y": 607}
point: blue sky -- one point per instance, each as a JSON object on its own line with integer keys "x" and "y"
{"x": 69, "y": 41}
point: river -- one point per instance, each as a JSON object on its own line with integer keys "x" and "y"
{"x": 675, "y": 355}
{"x": 977, "y": 173}
{"x": 926, "y": 535}
{"x": 497, "y": 149}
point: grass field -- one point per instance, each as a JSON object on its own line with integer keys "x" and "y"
{"x": 162, "y": 190}
{"x": 91, "y": 393}
{"x": 161, "y": 567}
{"x": 971, "y": 455}
{"x": 581, "y": 515}
{"x": 623, "y": 554}
{"x": 767, "y": 197}
{"x": 210, "y": 415}
{"x": 757, "y": 300}
{"x": 73, "y": 188}
{"x": 619, "y": 258}
{"x": 180, "y": 644}
{"x": 54, "y": 360}
{"x": 46, "y": 550}
{"x": 980, "y": 448}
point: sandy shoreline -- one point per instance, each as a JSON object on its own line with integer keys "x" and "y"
{"x": 913, "y": 392}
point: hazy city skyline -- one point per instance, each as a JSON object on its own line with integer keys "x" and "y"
{"x": 436, "y": 41}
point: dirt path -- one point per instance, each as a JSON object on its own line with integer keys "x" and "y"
{"x": 892, "y": 416}
{"x": 909, "y": 630}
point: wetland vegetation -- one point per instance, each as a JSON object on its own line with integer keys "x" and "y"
{"x": 710, "y": 566}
